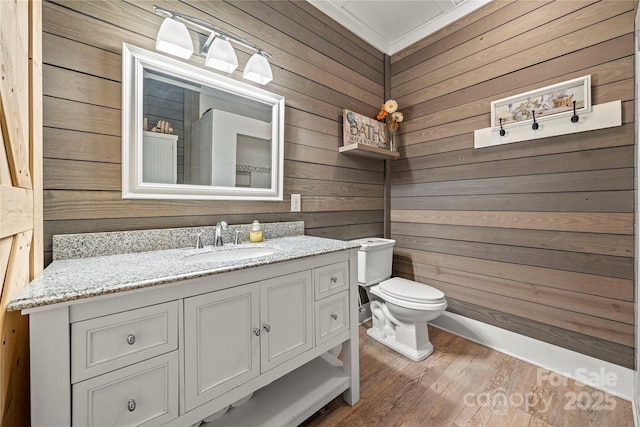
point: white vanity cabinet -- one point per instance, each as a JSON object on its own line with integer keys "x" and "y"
{"x": 175, "y": 354}
{"x": 235, "y": 334}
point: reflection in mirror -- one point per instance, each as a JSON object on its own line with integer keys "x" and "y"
{"x": 201, "y": 136}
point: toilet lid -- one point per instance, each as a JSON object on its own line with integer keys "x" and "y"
{"x": 409, "y": 290}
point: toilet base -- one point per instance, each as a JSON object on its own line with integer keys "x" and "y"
{"x": 415, "y": 354}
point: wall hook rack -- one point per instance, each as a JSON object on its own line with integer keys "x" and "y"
{"x": 502, "y": 131}
{"x": 574, "y": 118}
{"x": 535, "y": 124}
{"x": 601, "y": 116}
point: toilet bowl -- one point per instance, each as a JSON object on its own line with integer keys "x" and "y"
{"x": 401, "y": 313}
{"x": 400, "y": 308}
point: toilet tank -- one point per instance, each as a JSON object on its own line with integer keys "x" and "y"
{"x": 374, "y": 260}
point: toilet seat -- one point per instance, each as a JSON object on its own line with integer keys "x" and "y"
{"x": 410, "y": 291}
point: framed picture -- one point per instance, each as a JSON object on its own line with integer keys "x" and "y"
{"x": 547, "y": 101}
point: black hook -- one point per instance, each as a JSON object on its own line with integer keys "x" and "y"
{"x": 574, "y": 118}
{"x": 502, "y": 131}
{"x": 535, "y": 125}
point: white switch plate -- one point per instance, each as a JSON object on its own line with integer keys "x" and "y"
{"x": 295, "y": 203}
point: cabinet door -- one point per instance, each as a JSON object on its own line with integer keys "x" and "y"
{"x": 286, "y": 313}
{"x": 221, "y": 346}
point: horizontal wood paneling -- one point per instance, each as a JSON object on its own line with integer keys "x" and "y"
{"x": 535, "y": 237}
{"x": 610, "y": 308}
{"x": 581, "y": 343}
{"x": 447, "y": 79}
{"x": 611, "y": 266}
{"x": 594, "y": 243}
{"x": 613, "y": 223}
{"x": 563, "y": 162}
{"x": 319, "y": 67}
{"x": 568, "y": 280}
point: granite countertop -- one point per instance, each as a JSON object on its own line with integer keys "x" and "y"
{"x": 73, "y": 279}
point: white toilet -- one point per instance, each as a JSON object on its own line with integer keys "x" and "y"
{"x": 400, "y": 308}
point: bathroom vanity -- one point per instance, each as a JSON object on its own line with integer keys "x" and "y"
{"x": 160, "y": 338}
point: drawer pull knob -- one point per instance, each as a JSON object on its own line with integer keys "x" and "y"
{"x": 334, "y": 316}
{"x": 131, "y": 339}
{"x": 334, "y": 279}
{"x": 256, "y": 331}
{"x": 131, "y": 405}
{"x": 267, "y": 328}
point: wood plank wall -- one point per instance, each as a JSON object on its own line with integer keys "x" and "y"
{"x": 318, "y": 66}
{"x": 534, "y": 237}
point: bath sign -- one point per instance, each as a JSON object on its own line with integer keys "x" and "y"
{"x": 359, "y": 129}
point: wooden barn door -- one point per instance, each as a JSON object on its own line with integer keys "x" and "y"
{"x": 20, "y": 192}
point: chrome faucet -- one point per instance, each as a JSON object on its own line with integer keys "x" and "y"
{"x": 217, "y": 236}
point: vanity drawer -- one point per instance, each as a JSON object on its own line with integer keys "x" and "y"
{"x": 143, "y": 394}
{"x": 331, "y": 279}
{"x": 332, "y": 316}
{"x": 110, "y": 342}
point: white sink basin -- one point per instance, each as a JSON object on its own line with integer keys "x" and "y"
{"x": 230, "y": 255}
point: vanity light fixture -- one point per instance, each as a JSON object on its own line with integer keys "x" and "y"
{"x": 173, "y": 38}
{"x": 221, "y": 56}
{"x": 258, "y": 69}
{"x": 217, "y": 49}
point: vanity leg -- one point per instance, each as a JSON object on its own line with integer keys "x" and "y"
{"x": 49, "y": 367}
{"x": 351, "y": 349}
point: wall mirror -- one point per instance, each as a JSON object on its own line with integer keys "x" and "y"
{"x": 189, "y": 133}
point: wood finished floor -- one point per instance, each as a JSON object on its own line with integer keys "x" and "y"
{"x": 466, "y": 384}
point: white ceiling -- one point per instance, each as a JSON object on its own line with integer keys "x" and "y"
{"x": 392, "y": 25}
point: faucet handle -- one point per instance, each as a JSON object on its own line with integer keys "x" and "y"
{"x": 199, "y": 241}
{"x": 236, "y": 241}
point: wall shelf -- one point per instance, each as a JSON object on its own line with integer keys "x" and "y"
{"x": 369, "y": 151}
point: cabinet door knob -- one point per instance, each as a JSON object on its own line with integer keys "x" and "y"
{"x": 267, "y": 328}
{"x": 334, "y": 279}
{"x": 334, "y": 316}
{"x": 131, "y": 339}
{"x": 131, "y": 405}
{"x": 256, "y": 331}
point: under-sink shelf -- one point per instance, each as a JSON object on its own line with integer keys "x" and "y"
{"x": 370, "y": 151}
{"x": 292, "y": 398}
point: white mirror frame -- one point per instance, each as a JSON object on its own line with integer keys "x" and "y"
{"x": 134, "y": 61}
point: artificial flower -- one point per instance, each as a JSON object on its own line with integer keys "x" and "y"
{"x": 389, "y": 114}
{"x": 390, "y": 106}
{"x": 397, "y": 116}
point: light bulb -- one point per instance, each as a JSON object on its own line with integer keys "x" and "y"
{"x": 173, "y": 38}
{"x": 258, "y": 69}
{"x": 221, "y": 56}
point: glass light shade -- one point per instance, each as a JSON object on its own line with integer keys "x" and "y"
{"x": 258, "y": 70}
{"x": 221, "y": 56}
{"x": 173, "y": 38}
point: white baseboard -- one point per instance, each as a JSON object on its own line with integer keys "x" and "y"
{"x": 548, "y": 356}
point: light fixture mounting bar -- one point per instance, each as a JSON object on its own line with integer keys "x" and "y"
{"x": 213, "y": 30}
